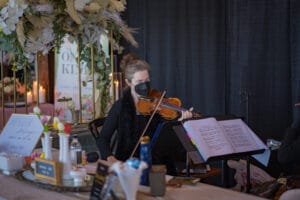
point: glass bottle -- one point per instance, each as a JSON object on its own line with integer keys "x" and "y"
{"x": 76, "y": 151}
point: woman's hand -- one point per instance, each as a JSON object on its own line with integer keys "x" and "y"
{"x": 111, "y": 159}
{"x": 186, "y": 114}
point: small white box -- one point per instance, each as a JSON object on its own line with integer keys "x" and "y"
{"x": 9, "y": 164}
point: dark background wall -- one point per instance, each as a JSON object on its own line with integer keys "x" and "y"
{"x": 223, "y": 57}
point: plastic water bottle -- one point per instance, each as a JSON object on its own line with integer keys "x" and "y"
{"x": 145, "y": 155}
{"x": 76, "y": 151}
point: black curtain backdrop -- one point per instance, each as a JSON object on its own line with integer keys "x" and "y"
{"x": 222, "y": 57}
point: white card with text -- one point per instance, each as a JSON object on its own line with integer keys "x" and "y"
{"x": 20, "y": 134}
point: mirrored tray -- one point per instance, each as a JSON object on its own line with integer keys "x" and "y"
{"x": 28, "y": 176}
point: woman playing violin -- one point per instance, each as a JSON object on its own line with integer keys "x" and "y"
{"x": 124, "y": 117}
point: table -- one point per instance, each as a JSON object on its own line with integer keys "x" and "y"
{"x": 46, "y": 109}
{"x": 11, "y": 188}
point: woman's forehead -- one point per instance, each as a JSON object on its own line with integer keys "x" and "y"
{"x": 141, "y": 75}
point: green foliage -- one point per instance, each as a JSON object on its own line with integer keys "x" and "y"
{"x": 102, "y": 71}
{"x": 60, "y": 33}
{"x": 9, "y": 43}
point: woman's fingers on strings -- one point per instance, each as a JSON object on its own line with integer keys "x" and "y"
{"x": 186, "y": 114}
{"x": 189, "y": 113}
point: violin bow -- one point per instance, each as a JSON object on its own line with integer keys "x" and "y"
{"x": 148, "y": 123}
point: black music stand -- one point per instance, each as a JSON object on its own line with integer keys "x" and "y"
{"x": 191, "y": 151}
{"x": 166, "y": 148}
{"x": 196, "y": 157}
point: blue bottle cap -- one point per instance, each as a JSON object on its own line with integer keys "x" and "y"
{"x": 134, "y": 162}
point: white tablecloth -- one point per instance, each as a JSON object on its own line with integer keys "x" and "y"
{"x": 13, "y": 189}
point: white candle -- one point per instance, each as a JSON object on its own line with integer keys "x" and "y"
{"x": 111, "y": 88}
{"x": 42, "y": 95}
{"x": 29, "y": 97}
{"x": 34, "y": 90}
{"x": 116, "y": 89}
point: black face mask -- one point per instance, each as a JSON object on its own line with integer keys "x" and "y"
{"x": 142, "y": 88}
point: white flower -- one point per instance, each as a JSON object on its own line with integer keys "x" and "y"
{"x": 36, "y": 110}
{"x": 4, "y": 12}
{"x": 42, "y": 42}
{"x": 10, "y": 15}
{"x": 60, "y": 127}
{"x": 56, "y": 119}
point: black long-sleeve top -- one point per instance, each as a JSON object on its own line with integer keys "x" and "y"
{"x": 129, "y": 125}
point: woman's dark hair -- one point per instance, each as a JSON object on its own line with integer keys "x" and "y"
{"x": 131, "y": 63}
{"x": 126, "y": 59}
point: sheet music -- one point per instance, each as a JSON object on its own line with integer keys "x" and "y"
{"x": 208, "y": 137}
{"x": 239, "y": 135}
{"x": 258, "y": 141}
{"x": 215, "y": 138}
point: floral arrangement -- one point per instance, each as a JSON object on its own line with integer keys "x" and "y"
{"x": 45, "y": 119}
{"x": 55, "y": 123}
{"x": 65, "y": 128}
{"x": 37, "y": 111}
{"x": 8, "y": 85}
{"x": 31, "y": 26}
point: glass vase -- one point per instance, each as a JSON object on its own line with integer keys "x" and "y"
{"x": 47, "y": 145}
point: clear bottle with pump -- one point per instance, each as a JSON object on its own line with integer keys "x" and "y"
{"x": 76, "y": 151}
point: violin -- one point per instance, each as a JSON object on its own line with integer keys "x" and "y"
{"x": 155, "y": 101}
{"x": 169, "y": 108}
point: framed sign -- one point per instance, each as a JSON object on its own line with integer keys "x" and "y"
{"x": 69, "y": 82}
{"x": 47, "y": 170}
